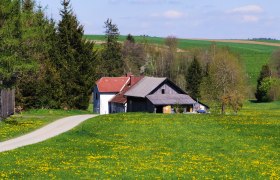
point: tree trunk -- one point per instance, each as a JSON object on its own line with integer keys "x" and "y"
{"x": 223, "y": 108}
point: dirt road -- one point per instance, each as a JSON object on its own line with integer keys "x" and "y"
{"x": 53, "y": 129}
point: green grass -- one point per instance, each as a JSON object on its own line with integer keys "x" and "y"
{"x": 253, "y": 56}
{"x": 28, "y": 121}
{"x": 150, "y": 146}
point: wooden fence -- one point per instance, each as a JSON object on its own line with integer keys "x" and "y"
{"x": 7, "y": 102}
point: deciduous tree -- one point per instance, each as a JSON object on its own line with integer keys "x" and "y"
{"x": 133, "y": 56}
{"x": 262, "y": 93}
{"x": 225, "y": 83}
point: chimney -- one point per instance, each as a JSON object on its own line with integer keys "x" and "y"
{"x": 129, "y": 74}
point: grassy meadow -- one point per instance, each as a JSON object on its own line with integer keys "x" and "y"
{"x": 253, "y": 56}
{"x": 30, "y": 120}
{"x": 126, "y": 146}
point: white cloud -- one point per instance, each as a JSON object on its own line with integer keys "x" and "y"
{"x": 170, "y": 14}
{"x": 247, "y": 9}
{"x": 250, "y": 18}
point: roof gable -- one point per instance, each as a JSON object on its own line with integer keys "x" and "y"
{"x": 145, "y": 87}
{"x": 120, "y": 98}
{"x": 112, "y": 84}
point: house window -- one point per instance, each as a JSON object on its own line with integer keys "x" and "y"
{"x": 163, "y": 91}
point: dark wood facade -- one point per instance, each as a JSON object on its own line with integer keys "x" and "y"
{"x": 117, "y": 107}
{"x": 137, "y": 104}
{"x": 96, "y": 100}
{"x": 7, "y": 103}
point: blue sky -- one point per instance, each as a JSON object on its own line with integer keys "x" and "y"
{"x": 212, "y": 19}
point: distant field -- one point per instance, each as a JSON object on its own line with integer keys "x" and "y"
{"x": 256, "y": 42}
{"x": 253, "y": 55}
{"x": 157, "y": 146}
{"x": 269, "y": 41}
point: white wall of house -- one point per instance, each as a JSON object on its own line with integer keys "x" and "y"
{"x": 104, "y": 102}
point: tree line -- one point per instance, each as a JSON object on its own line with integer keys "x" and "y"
{"x": 51, "y": 65}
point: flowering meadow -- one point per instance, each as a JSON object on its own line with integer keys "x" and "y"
{"x": 157, "y": 146}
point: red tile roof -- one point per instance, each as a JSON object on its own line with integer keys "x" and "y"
{"x": 112, "y": 84}
{"x": 120, "y": 98}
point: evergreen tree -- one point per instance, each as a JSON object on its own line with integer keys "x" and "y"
{"x": 11, "y": 61}
{"x": 262, "y": 94}
{"x": 130, "y": 38}
{"x": 111, "y": 57}
{"x": 28, "y": 5}
{"x": 194, "y": 79}
{"x": 76, "y": 60}
{"x": 40, "y": 88}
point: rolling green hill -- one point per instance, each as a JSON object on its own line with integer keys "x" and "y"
{"x": 253, "y": 55}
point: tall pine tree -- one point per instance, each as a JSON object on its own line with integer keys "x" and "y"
{"x": 11, "y": 61}
{"x": 111, "y": 58}
{"x": 194, "y": 79}
{"x": 76, "y": 60}
{"x": 41, "y": 87}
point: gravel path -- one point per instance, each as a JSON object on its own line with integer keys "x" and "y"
{"x": 53, "y": 129}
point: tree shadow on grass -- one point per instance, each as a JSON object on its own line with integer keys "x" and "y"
{"x": 258, "y": 102}
{"x": 254, "y": 101}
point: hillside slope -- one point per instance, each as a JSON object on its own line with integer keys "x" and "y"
{"x": 254, "y": 54}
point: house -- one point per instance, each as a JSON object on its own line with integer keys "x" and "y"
{"x": 108, "y": 93}
{"x": 7, "y": 102}
{"x": 141, "y": 94}
{"x": 118, "y": 104}
{"x": 159, "y": 95}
